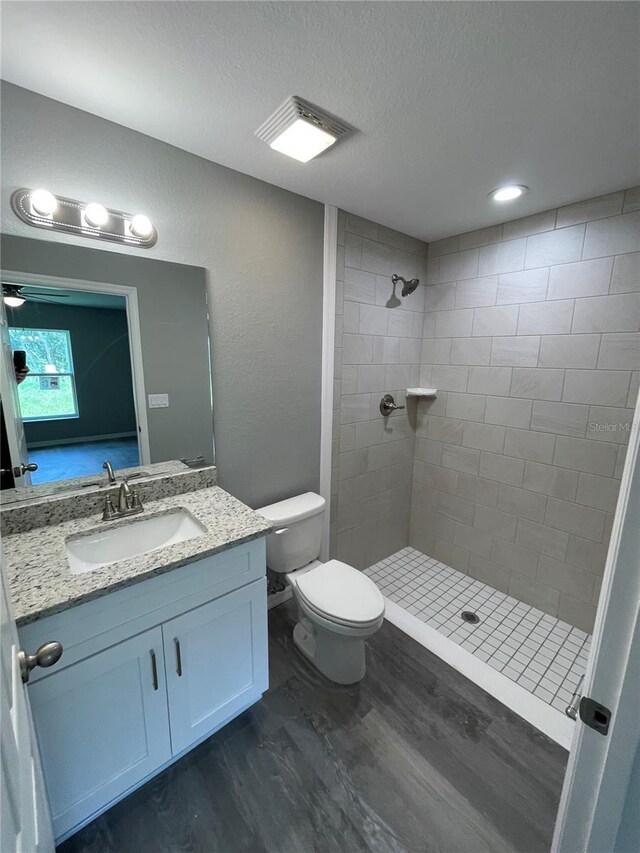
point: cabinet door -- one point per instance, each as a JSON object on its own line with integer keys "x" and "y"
{"x": 102, "y": 726}
{"x": 216, "y": 659}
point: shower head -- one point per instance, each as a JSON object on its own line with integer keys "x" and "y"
{"x": 407, "y": 286}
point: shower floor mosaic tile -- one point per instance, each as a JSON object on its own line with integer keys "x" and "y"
{"x": 544, "y": 655}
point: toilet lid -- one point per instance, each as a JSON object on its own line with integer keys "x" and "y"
{"x": 341, "y": 592}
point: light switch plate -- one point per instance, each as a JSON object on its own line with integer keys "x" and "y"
{"x": 158, "y": 401}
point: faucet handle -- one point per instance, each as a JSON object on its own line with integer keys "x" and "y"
{"x": 136, "y": 503}
{"x": 108, "y": 512}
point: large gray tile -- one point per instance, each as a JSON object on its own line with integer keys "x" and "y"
{"x": 516, "y": 351}
{"x": 550, "y": 480}
{"x": 476, "y": 292}
{"x": 582, "y": 278}
{"x": 523, "y": 286}
{"x": 542, "y": 538}
{"x": 508, "y": 411}
{"x": 470, "y": 350}
{"x": 554, "y": 247}
{"x": 489, "y": 380}
{"x": 618, "y": 313}
{"x": 497, "y": 320}
{"x": 599, "y": 387}
{"x": 626, "y": 273}
{"x": 612, "y": 236}
{"x": 594, "y": 208}
{"x": 524, "y": 444}
{"x": 580, "y": 454}
{"x": 620, "y": 351}
{"x": 537, "y": 383}
{"x": 546, "y": 318}
{"x": 582, "y": 521}
{"x": 569, "y": 351}
{"x": 562, "y": 418}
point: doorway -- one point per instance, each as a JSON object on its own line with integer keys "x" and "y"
{"x": 77, "y": 398}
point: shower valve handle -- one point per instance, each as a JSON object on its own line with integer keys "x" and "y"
{"x": 388, "y": 405}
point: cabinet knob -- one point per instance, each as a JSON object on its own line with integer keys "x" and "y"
{"x": 46, "y": 655}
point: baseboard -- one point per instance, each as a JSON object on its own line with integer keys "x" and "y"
{"x": 534, "y": 710}
{"x": 82, "y": 439}
{"x": 277, "y": 598}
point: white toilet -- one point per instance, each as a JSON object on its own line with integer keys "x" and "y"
{"x": 338, "y": 606}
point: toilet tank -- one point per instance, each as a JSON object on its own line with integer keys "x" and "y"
{"x": 297, "y": 531}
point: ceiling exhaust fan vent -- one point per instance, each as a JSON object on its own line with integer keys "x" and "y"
{"x": 291, "y": 118}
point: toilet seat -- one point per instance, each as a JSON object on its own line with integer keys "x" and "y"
{"x": 341, "y": 594}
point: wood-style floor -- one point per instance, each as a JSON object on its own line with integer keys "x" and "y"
{"x": 414, "y": 758}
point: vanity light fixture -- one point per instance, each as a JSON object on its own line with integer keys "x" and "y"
{"x": 43, "y": 210}
{"x": 141, "y": 225}
{"x": 301, "y": 130}
{"x": 508, "y": 193}
{"x": 43, "y": 202}
{"x": 96, "y": 215}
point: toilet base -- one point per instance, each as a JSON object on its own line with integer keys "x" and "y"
{"x": 340, "y": 659}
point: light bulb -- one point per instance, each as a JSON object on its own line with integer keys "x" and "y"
{"x": 508, "y": 193}
{"x": 96, "y": 215}
{"x": 43, "y": 202}
{"x": 13, "y": 301}
{"x": 141, "y": 226}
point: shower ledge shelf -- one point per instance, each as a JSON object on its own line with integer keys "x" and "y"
{"x": 422, "y": 392}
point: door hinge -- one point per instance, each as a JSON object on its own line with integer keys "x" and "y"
{"x": 595, "y": 715}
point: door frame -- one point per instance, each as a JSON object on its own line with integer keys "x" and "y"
{"x": 130, "y": 295}
{"x": 599, "y": 768}
{"x": 329, "y": 271}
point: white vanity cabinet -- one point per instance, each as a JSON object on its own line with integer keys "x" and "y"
{"x": 102, "y": 726}
{"x": 213, "y": 656}
{"x": 146, "y": 673}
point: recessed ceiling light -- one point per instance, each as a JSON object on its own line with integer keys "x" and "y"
{"x": 141, "y": 225}
{"x": 300, "y": 130}
{"x": 96, "y": 215}
{"x": 43, "y": 202}
{"x": 508, "y": 193}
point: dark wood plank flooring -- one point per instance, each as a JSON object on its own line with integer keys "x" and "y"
{"x": 414, "y": 758}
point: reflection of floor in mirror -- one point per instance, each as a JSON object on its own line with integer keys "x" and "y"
{"x": 75, "y": 460}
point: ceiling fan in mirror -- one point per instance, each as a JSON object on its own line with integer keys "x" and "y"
{"x": 15, "y": 295}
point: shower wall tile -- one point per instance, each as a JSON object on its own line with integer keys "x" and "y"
{"x": 378, "y": 349}
{"x": 543, "y": 314}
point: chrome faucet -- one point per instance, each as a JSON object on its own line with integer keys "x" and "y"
{"x": 124, "y": 497}
{"x": 108, "y": 467}
{"x": 129, "y": 503}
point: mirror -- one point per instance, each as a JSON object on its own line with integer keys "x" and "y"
{"x": 104, "y": 356}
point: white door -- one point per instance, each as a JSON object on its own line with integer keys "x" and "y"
{"x": 102, "y": 727}
{"x": 11, "y": 408}
{"x": 25, "y": 825}
{"x": 600, "y": 765}
{"x": 216, "y": 659}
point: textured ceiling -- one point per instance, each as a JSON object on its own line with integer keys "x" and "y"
{"x": 449, "y": 99}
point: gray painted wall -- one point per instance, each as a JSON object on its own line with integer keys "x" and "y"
{"x": 262, "y": 248}
{"x": 173, "y": 331}
{"x": 102, "y": 368}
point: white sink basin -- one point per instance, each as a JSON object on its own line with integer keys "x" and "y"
{"x": 102, "y": 547}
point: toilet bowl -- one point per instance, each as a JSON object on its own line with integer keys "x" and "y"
{"x": 338, "y": 606}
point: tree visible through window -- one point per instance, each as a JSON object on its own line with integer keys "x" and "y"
{"x": 49, "y": 391}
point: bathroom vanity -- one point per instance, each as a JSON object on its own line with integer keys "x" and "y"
{"x": 160, "y": 649}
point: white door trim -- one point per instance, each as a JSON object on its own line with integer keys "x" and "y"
{"x": 328, "y": 348}
{"x": 599, "y": 767}
{"x": 135, "y": 339}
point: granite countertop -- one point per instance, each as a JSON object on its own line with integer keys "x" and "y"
{"x": 42, "y": 584}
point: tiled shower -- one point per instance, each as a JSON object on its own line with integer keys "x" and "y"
{"x": 530, "y": 331}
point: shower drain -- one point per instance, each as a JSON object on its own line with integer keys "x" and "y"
{"x": 470, "y": 616}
